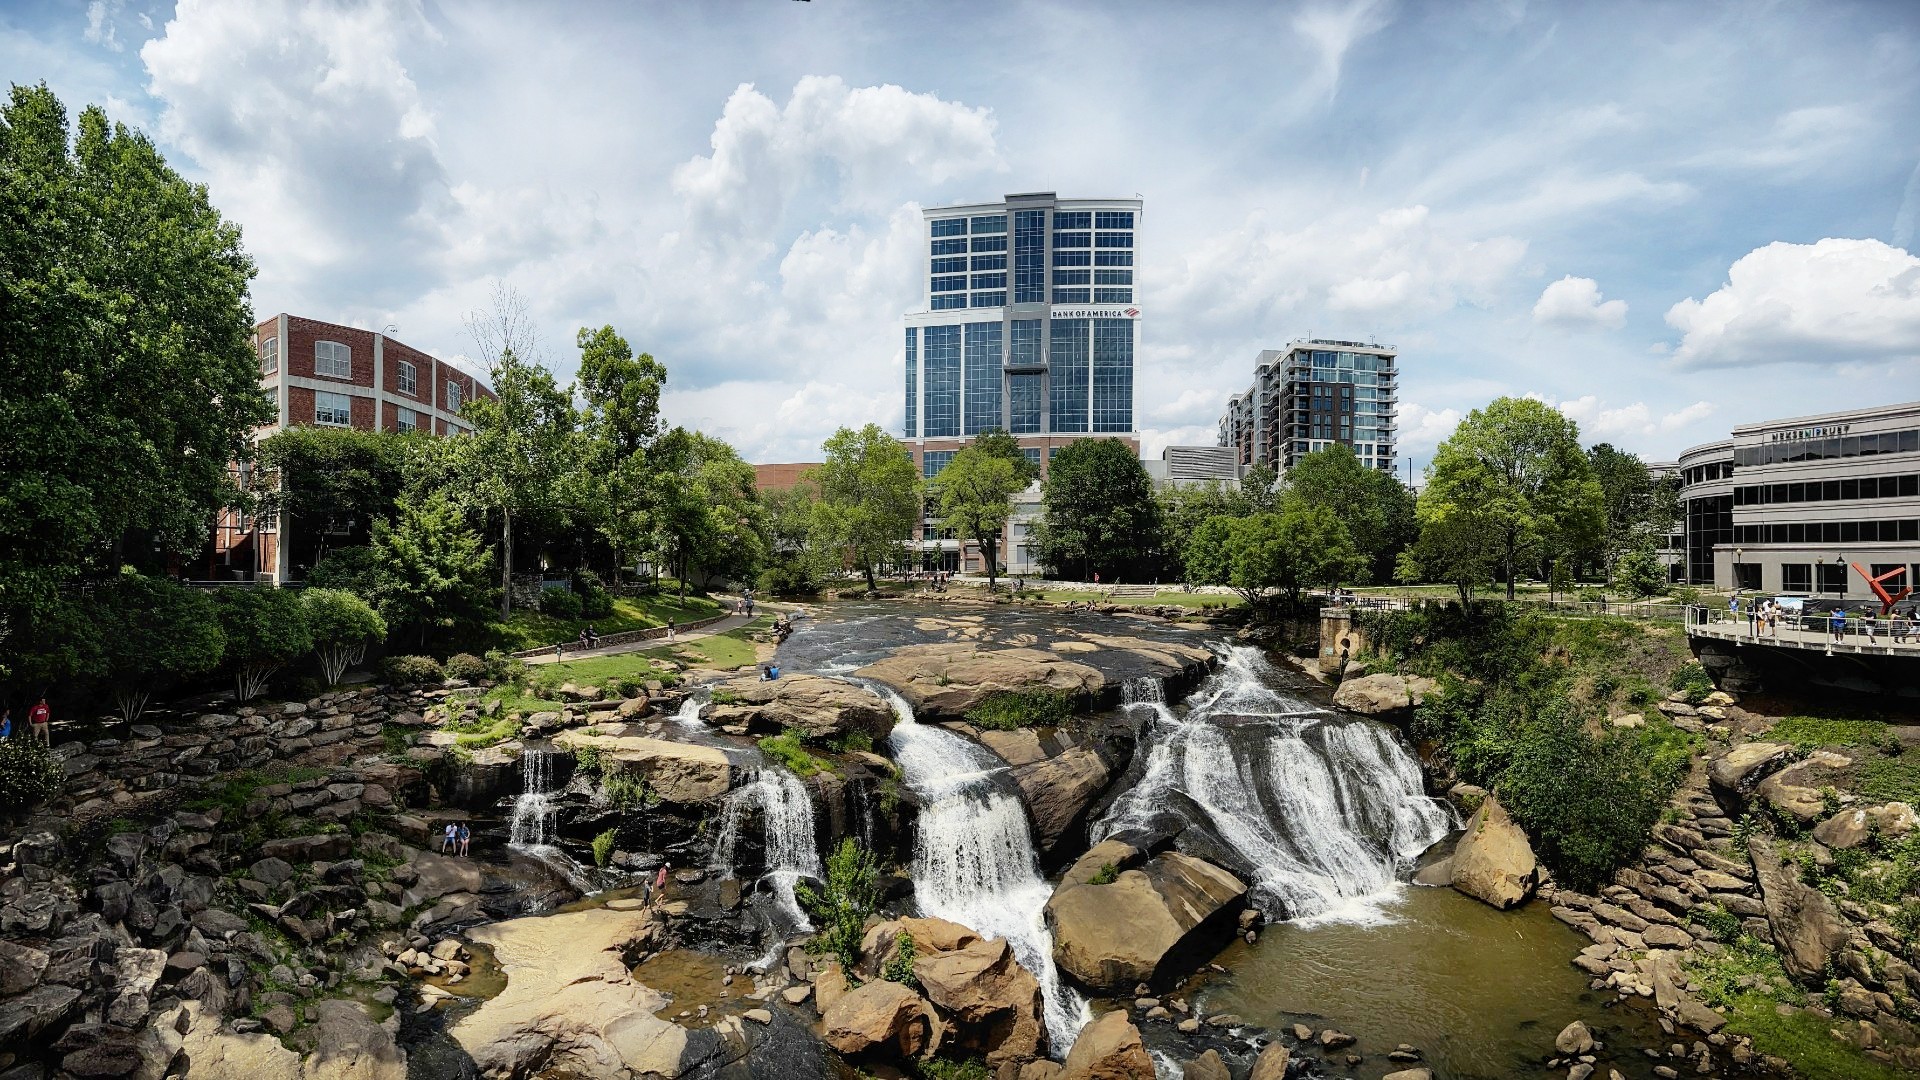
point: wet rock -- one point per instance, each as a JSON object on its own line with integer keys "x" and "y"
{"x": 1145, "y": 924}
{"x": 1574, "y": 1039}
{"x": 1207, "y": 1066}
{"x": 1108, "y": 1049}
{"x": 1493, "y": 861}
{"x": 1059, "y": 790}
{"x": 815, "y": 706}
{"x": 1332, "y": 1039}
{"x": 1272, "y": 1062}
{"x": 879, "y": 1017}
{"x": 944, "y": 681}
{"x": 1386, "y": 696}
{"x": 679, "y": 773}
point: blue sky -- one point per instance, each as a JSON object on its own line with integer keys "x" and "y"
{"x": 1667, "y": 219}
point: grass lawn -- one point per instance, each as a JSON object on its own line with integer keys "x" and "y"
{"x": 1803, "y": 1038}
{"x": 529, "y": 629}
{"x": 724, "y": 652}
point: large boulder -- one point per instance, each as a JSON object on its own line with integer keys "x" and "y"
{"x": 815, "y": 706}
{"x": 1272, "y": 1062}
{"x": 1110, "y": 1048}
{"x": 880, "y": 1018}
{"x": 1739, "y": 771}
{"x": 1493, "y": 860}
{"x": 570, "y": 1004}
{"x": 1794, "y": 791}
{"x": 679, "y": 773}
{"x": 1143, "y": 926}
{"x": 943, "y": 681}
{"x": 1383, "y": 695}
{"x": 989, "y": 1001}
{"x": 20, "y": 968}
{"x": 1059, "y": 790}
{"x": 1806, "y": 929}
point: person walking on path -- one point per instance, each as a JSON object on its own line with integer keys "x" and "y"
{"x": 670, "y": 629}
{"x": 659, "y": 885}
{"x": 1867, "y": 624}
{"x": 39, "y": 722}
{"x": 466, "y": 841}
{"x": 1733, "y": 608}
{"x": 450, "y": 841}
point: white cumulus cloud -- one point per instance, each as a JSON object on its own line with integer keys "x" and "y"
{"x": 1423, "y": 428}
{"x": 1597, "y": 418}
{"x": 1824, "y": 303}
{"x": 1575, "y": 301}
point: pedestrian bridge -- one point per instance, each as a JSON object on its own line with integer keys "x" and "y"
{"x": 1811, "y": 632}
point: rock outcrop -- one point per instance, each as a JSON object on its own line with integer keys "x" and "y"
{"x": 1110, "y": 1048}
{"x": 815, "y": 706}
{"x": 679, "y": 773}
{"x": 1059, "y": 790}
{"x": 1145, "y": 925}
{"x": 986, "y": 1002}
{"x": 1386, "y": 696}
{"x": 1493, "y": 861}
{"x": 879, "y": 1017}
{"x": 1806, "y": 928}
{"x": 943, "y": 681}
{"x": 1739, "y": 771}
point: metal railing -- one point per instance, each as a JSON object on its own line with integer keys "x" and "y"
{"x": 1619, "y": 609}
{"x": 1853, "y": 634}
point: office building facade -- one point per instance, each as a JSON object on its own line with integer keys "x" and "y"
{"x": 1310, "y": 395}
{"x": 1788, "y": 506}
{"x": 320, "y": 374}
{"x": 1030, "y": 325}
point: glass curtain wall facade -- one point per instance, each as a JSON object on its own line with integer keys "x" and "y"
{"x": 1311, "y": 395}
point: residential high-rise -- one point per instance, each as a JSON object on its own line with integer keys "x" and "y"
{"x": 1310, "y": 395}
{"x": 1029, "y": 325}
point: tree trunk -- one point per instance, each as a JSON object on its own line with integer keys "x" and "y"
{"x": 506, "y": 563}
{"x": 990, "y": 547}
{"x": 872, "y": 584}
{"x": 1509, "y": 553}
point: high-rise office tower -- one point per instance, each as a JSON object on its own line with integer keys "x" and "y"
{"x": 1310, "y": 395}
{"x": 1029, "y": 325}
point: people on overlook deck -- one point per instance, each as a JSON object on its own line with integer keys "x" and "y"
{"x": 1837, "y": 622}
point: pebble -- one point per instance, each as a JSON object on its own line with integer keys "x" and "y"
{"x": 1303, "y": 1033}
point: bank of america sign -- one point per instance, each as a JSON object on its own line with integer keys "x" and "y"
{"x": 1117, "y": 311}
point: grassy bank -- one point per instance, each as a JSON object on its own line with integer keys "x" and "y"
{"x": 532, "y": 629}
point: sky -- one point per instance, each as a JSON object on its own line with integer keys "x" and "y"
{"x": 1666, "y": 219}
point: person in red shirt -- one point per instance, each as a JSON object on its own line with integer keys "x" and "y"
{"x": 660, "y": 884}
{"x": 37, "y": 721}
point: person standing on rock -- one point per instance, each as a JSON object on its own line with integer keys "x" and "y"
{"x": 466, "y": 840}
{"x": 39, "y": 722}
{"x": 450, "y": 841}
{"x": 659, "y": 885}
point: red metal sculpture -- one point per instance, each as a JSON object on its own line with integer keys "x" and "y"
{"x": 1887, "y": 600}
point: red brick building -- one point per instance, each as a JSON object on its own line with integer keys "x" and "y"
{"x": 326, "y": 375}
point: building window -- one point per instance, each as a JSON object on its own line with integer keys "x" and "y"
{"x": 940, "y": 381}
{"x": 913, "y": 379}
{"x": 957, "y": 283}
{"x": 269, "y": 356}
{"x": 990, "y": 299}
{"x": 982, "y": 397}
{"x": 409, "y": 379}
{"x": 950, "y": 227}
{"x": 1073, "y": 219}
{"x": 453, "y": 396}
{"x": 989, "y": 281}
{"x": 932, "y": 461}
{"x": 1068, "y": 362}
{"x": 1113, "y": 277}
{"x": 950, "y": 266}
{"x": 994, "y": 224}
{"x": 1071, "y": 296}
{"x": 1024, "y": 404}
{"x": 1113, "y": 219}
{"x": 406, "y": 420}
{"x": 989, "y": 243}
{"x": 1113, "y": 240}
{"x": 943, "y": 303}
{"x": 332, "y": 410}
{"x": 949, "y": 247}
{"x": 332, "y": 360}
{"x": 1029, "y": 257}
{"x": 1113, "y": 296}
{"x": 1032, "y": 454}
{"x": 1073, "y": 277}
{"x": 989, "y": 262}
{"x": 1072, "y": 258}
{"x": 1746, "y": 575}
{"x": 1113, "y": 258}
{"x": 1112, "y": 375}
{"x": 1796, "y": 577}
{"x": 1833, "y": 577}
{"x": 1072, "y": 240}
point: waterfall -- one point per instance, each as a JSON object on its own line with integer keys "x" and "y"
{"x": 792, "y": 850}
{"x": 1326, "y": 812}
{"x": 533, "y": 811}
{"x": 689, "y": 712}
{"x": 974, "y": 861}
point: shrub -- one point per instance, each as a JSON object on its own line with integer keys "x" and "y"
{"x": 353, "y": 569}
{"x": 560, "y": 604}
{"x": 1106, "y": 875}
{"x": 28, "y": 773}
{"x": 603, "y": 848}
{"x": 504, "y": 668}
{"x": 407, "y": 670}
{"x": 787, "y": 750}
{"x": 899, "y": 967}
{"x": 1012, "y": 709}
{"x": 627, "y": 792}
{"x": 595, "y": 601}
{"x": 466, "y": 666}
{"x": 1692, "y": 680}
{"x": 587, "y": 760}
{"x": 842, "y": 903}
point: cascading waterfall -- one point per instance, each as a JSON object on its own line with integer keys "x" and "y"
{"x": 533, "y": 811}
{"x": 1325, "y": 811}
{"x": 974, "y": 862}
{"x": 792, "y": 849}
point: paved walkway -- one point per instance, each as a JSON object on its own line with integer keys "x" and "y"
{"x": 731, "y": 622}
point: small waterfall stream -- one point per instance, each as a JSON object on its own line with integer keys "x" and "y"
{"x": 792, "y": 846}
{"x": 532, "y": 820}
{"x": 1326, "y": 812}
{"x": 974, "y": 862}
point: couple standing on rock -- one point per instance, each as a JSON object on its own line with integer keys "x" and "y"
{"x": 458, "y": 838}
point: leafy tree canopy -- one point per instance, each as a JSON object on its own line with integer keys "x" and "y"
{"x": 1099, "y": 511}
{"x": 975, "y": 496}
{"x": 869, "y": 498}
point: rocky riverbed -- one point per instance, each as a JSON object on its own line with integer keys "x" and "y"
{"x": 1148, "y": 887}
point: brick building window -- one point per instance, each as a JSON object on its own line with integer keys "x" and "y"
{"x": 269, "y": 355}
{"x": 409, "y": 379}
{"x": 407, "y": 420}
{"x": 332, "y": 410}
{"x": 332, "y": 359}
{"x": 453, "y": 396}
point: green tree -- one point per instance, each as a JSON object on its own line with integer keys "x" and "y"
{"x": 335, "y": 480}
{"x": 1098, "y": 510}
{"x": 974, "y": 494}
{"x": 431, "y": 568}
{"x": 1376, "y": 509}
{"x": 342, "y": 626}
{"x": 1270, "y": 555}
{"x": 152, "y": 632}
{"x": 796, "y": 564}
{"x": 1183, "y": 508}
{"x": 620, "y": 422}
{"x": 265, "y": 629}
{"x": 351, "y": 568}
{"x": 128, "y": 379}
{"x": 869, "y": 498}
{"x": 843, "y": 902}
{"x": 519, "y": 458}
{"x": 1632, "y": 504}
{"x": 709, "y": 514}
{"x": 1452, "y": 548}
{"x": 1513, "y": 478}
{"x": 1638, "y": 573}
